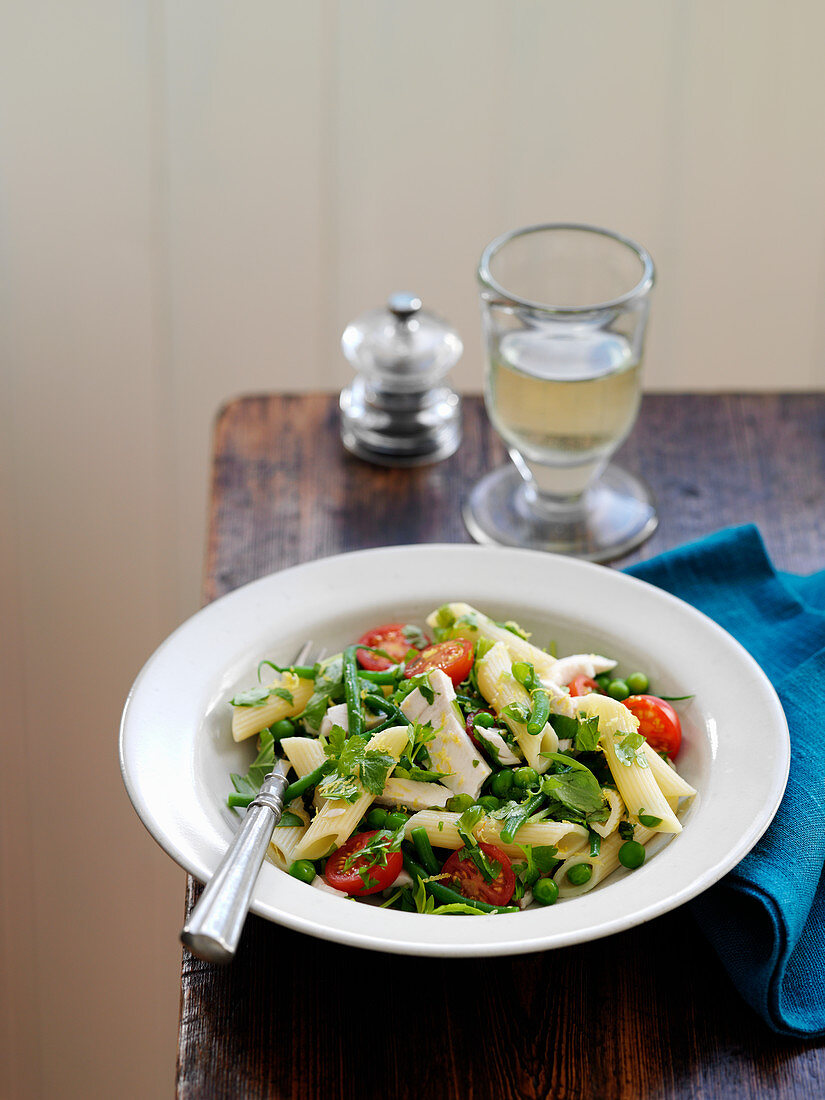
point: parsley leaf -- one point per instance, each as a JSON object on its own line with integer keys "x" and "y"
{"x": 586, "y": 738}
{"x": 255, "y": 697}
{"x": 328, "y": 685}
{"x": 340, "y": 786}
{"x": 627, "y": 750}
{"x": 543, "y": 857}
{"x": 575, "y": 787}
{"x": 260, "y": 768}
{"x": 289, "y": 819}
{"x": 415, "y": 636}
{"x": 374, "y": 768}
{"x": 516, "y": 712}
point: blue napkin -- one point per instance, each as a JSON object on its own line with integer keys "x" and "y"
{"x": 766, "y": 919}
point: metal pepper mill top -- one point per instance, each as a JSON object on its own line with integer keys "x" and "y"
{"x": 398, "y": 410}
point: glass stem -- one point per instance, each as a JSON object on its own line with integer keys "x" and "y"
{"x": 557, "y": 491}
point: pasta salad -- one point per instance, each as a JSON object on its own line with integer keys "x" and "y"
{"x": 461, "y": 768}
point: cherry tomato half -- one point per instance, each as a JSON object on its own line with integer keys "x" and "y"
{"x": 658, "y": 722}
{"x": 390, "y": 638}
{"x": 348, "y": 879}
{"x": 469, "y": 881}
{"x": 454, "y": 657}
{"x": 584, "y": 685}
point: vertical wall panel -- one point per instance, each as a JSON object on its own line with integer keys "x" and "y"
{"x": 246, "y": 162}
{"x": 80, "y": 423}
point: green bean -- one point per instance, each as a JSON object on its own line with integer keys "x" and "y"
{"x": 595, "y": 843}
{"x": 239, "y": 801}
{"x": 352, "y": 692}
{"x": 310, "y": 780}
{"x": 425, "y": 850}
{"x": 516, "y": 818}
{"x": 451, "y": 897}
{"x": 385, "y": 676}
{"x": 396, "y": 820}
{"x": 395, "y": 716}
{"x": 540, "y": 712}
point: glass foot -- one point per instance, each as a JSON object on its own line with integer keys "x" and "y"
{"x": 617, "y": 514}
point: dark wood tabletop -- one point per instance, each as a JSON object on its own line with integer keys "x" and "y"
{"x": 645, "y": 1014}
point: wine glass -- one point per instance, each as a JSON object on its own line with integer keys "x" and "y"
{"x": 564, "y": 309}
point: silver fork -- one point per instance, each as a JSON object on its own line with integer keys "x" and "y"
{"x": 215, "y": 924}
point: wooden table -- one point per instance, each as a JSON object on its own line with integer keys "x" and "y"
{"x": 611, "y": 1019}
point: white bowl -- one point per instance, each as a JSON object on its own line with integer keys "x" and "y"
{"x": 177, "y": 751}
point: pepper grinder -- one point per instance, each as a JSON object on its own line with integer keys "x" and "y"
{"x": 398, "y": 411}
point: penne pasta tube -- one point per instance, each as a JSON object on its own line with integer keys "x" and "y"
{"x": 494, "y": 674}
{"x": 466, "y": 622}
{"x": 604, "y": 864}
{"x": 669, "y": 780}
{"x": 442, "y": 831}
{"x": 285, "y": 838}
{"x": 633, "y": 777}
{"x": 413, "y": 794}
{"x": 617, "y": 812}
{"x": 336, "y": 819}
{"x": 563, "y": 835}
{"x": 247, "y": 721}
{"x": 303, "y": 753}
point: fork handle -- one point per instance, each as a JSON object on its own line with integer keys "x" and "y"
{"x": 215, "y": 924}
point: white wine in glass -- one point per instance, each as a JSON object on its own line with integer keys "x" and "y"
{"x": 564, "y": 311}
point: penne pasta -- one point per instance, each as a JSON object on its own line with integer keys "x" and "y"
{"x": 336, "y": 819}
{"x": 442, "y": 832}
{"x": 469, "y": 623}
{"x": 457, "y": 715}
{"x": 247, "y": 721}
{"x": 494, "y": 673}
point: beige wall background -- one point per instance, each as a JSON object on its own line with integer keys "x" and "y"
{"x": 195, "y": 197}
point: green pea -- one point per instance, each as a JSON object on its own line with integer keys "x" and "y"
{"x": 545, "y": 891}
{"x": 525, "y": 777}
{"x": 638, "y": 683}
{"x": 282, "y": 729}
{"x": 303, "y": 870}
{"x": 459, "y": 803}
{"x": 484, "y": 721}
{"x": 489, "y": 802}
{"x": 631, "y": 854}
{"x": 618, "y": 689}
{"x": 396, "y": 820}
{"x": 377, "y": 818}
{"x": 603, "y": 680}
{"x": 579, "y": 874}
{"x": 501, "y": 784}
